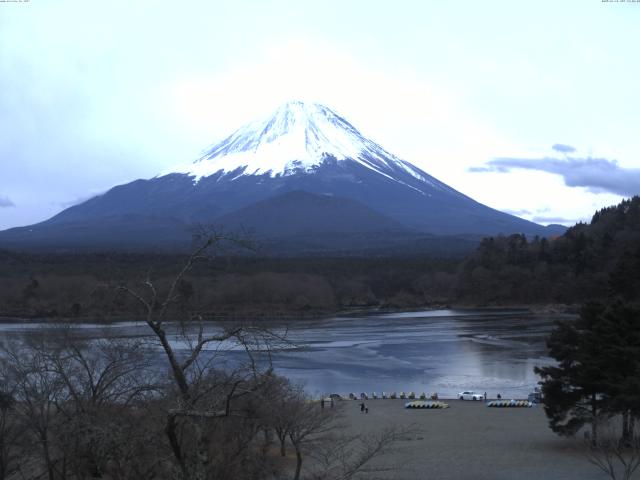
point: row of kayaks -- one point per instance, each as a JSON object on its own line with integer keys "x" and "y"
{"x": 421, "y": 400}
{"x": 428, "y": 404}
{"x": 393, "y": 396}
{"x": 510, "y": 404}
{"x": 495, "y": 403}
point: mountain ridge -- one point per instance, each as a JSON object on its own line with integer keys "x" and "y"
{"x": 301, "y": 147}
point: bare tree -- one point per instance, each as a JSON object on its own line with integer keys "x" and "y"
{"x": 344, "y": 457}
{"x": 94, "y": 408}
{"x": 318, "y": 434}
{"x": 283, "y": 396}
{"x": 105, "y": 378}
{"x": 306, "y": 424}
{"x": 38, "y": 394}
{"x": 11, "y": 435}
{"x": 198, "y": 400}
{"x": 77, "y": 401}
{"x": 615, "y": 457}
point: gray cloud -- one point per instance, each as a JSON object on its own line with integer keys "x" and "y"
{"x": 561, "y": 220}
{"x": 559, "y": 147}
{"x": 486, "y": 169}
{"x": 517, "y": 212}
{"x": 6, "y": 202}
{"x": 80, "y": 199}
{"x": 598, "y": 175}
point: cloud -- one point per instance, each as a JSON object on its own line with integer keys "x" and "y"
{"x": 559, "y": 147}
{"x": 6, "y": 202}
{"x": 80, "y": 199}
{"x": 517, "y": 212}
{"x": 598, "y": 175}
{"x": 560, "y": 220}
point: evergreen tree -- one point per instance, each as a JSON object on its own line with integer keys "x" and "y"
{"x": 574, "y": 389}
{"x": 598, "y": 370}
{"x": 620, "y": 337}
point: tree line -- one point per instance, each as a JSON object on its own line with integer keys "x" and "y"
{"x": 73, "y": 287}
{"x": 584, "y": 264}
{"x": 588, "y": 262}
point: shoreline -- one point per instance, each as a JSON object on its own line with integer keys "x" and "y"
{"x": 535, "y": 309}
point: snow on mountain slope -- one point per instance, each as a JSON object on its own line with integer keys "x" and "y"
{"x": 297, "y": 138}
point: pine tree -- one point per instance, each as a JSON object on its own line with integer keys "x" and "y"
{"x": 620, "y": 336}
{"x": 598, "y": 370}
{"x": 573, "y": 390}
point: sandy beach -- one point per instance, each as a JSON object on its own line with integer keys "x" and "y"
{"x": 472, "y": 441}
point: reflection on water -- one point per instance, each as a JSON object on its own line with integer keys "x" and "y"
{"x": 443, "y": 351}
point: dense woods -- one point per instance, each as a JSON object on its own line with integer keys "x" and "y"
{"x": 76, "y": 286}
{"x": 588, "y": 262}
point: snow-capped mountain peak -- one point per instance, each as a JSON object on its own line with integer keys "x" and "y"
{"x": 303, "y": 178}
{"x": 296, "y": 138}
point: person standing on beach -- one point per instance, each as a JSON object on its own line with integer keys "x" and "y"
{"x": 362, "y": 407}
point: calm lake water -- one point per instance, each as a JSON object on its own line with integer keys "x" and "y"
{"x": 442, "y": 351}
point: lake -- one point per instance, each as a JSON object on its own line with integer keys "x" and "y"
{"x": 443, "y": 351}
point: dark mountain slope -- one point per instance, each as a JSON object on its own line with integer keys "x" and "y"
{"x": 300, "y": 148}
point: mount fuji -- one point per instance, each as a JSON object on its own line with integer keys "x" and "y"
{"x": 303, "y": 179}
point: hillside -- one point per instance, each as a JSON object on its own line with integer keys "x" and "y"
{"x": 590, "y": 261}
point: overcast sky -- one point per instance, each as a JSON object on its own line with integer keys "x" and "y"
{"x": 529, "y": 107}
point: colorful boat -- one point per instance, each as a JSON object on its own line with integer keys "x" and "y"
{"x": 425, "y": 404}
{"x": 510, "y": 404}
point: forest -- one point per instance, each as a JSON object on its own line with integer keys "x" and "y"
{"x": 589, "y": 262}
